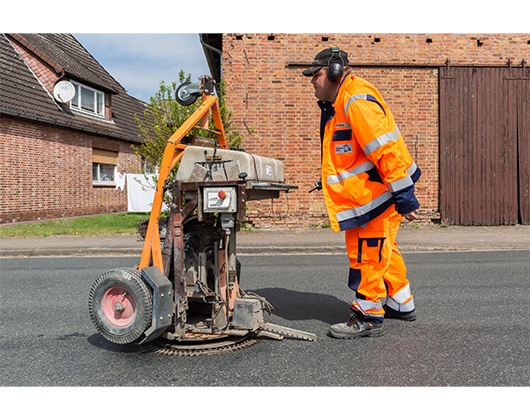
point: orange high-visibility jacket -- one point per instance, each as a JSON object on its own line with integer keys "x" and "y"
{"x": 366, "y": 166}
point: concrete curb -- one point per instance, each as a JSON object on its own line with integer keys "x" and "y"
{"x": 301, "y": 241}
{"x": 258, "y": 250}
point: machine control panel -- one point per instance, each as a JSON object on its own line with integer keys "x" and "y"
{"x": 220, "y": 199}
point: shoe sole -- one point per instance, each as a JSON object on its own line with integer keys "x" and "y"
{"x": 401, "y": 318}
{"x": 391, "y": 314}
{"x": 352, "y": 337}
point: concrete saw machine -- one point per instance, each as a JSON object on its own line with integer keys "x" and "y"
{"x": 184, "y": 296}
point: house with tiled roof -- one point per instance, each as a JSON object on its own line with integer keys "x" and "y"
{"x": 66, "y": 130}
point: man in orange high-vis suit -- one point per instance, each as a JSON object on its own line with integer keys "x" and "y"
{"x": 368, "y": 179}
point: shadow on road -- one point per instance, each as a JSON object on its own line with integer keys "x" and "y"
{"x": 294, "y": 305}
{"x": 98, "y": 341}
{"x": 288, "y": 304}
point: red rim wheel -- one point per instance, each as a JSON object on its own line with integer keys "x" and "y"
{"x": 120, "y": 305}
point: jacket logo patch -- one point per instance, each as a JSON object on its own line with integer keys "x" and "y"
{"x": 341, "y": 149}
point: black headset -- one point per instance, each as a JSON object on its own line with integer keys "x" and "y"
{"x": 335, "y": 70}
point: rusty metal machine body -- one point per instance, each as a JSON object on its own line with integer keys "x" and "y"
{"x": 186, "y": 289}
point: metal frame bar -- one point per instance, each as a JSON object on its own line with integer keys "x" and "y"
{"x": 152, "y": 252}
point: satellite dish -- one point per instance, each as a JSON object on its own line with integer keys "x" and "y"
{"x": 63, "y": 91}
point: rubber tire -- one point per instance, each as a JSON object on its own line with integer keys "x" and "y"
{"x": 139, "y": 294}
{"x": 190, "y": 99}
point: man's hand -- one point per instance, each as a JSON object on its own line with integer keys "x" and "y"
{"x": 411, "y": 216}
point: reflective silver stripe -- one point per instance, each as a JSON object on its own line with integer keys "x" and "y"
{"x": 333, "y": 179}
{"x": 400, "y": 184}
{"x": 359, "y": 169}
{"x": 407, "y": 307}
{"x": 359, "y": 211}
{"x": 365, "y": 167}
{"x": 367, "y": 305}
{"x": 402, "y": 301}
{"x": 412, "y": 168}
{"x": 354, "y": 98}
{"x": 401, "y": 307}
{"x": 403, "y": 295}
{"x": 404, "y": 182}
{"x": 380, "y": 141}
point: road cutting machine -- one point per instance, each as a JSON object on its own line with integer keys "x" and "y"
{"x": 184, "y": 296}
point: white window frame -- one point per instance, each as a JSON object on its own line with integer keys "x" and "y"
{"x": 80, "y": 91}
{"x": 98, "y": 181}
{"x": 104, "y": 157}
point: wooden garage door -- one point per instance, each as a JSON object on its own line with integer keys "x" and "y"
{"x": 484, "y": 146}
{"x": 523, "y": 144}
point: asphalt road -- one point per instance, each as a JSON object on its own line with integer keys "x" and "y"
{"x": 471, "y": 331}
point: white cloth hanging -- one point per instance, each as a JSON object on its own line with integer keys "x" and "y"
{"x": 141, "y": 190}
{"x": 120, "y": 180}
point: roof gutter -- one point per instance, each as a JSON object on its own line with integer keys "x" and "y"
{"x": 215, "y": 50}
{"x": 64, "y": 125}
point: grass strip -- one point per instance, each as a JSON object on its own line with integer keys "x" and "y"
{"x": 105, "y": 224}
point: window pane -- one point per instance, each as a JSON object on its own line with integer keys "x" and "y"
{"x": 95, "y": 170}
{"x": 75, "y": 100}
{"x": 106, "y": 172}
{"x": 87, "y": 99}
{"x": 100, "y": 104}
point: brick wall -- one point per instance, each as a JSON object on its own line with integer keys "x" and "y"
{"x": 274, "y": 106}
{"x": 47, "y": 172}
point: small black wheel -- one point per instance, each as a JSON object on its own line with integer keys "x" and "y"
{"x": 184, "y": 97}
{"x": 120, "y": 305}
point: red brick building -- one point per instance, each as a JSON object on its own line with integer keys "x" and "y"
{"x": 460, "y": 100}
{"x": 419, "y": 75}
{"x": 61, "y": 158}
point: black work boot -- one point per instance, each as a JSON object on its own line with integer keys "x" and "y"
{"x": 356, "y": 327}
{"x": 404, "y": 316}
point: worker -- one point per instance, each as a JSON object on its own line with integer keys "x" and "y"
{"x": 368, "y": 179}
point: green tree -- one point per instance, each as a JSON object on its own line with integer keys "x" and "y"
{"x": 164, "y": 115}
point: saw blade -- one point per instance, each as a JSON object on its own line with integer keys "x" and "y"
{"x": 288, "y": 332}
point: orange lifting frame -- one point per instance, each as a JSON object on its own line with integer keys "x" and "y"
{"x": 152, "y": 251}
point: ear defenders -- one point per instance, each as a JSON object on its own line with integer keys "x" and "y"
{"x": 335, "y": 70}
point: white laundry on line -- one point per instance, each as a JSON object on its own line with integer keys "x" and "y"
{"x": 140, "y": 193}
{"x": 120, "y": 180}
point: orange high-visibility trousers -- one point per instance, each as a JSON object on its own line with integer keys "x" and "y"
{"x": 377, "y": 269}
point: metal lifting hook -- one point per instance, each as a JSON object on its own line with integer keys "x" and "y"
{"x": 318, "y": 186}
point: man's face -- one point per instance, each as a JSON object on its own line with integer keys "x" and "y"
{"x": 325, "y": 89}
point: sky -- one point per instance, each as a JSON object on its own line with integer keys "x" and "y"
{"x": 139, "y": 62}
{"x": 141, "y": 44}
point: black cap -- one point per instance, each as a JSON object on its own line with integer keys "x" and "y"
{"x": 326, "y": 57}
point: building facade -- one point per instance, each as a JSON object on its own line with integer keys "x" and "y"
{"x": 62, "y": 156}
{"x": 275, "y": 109}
